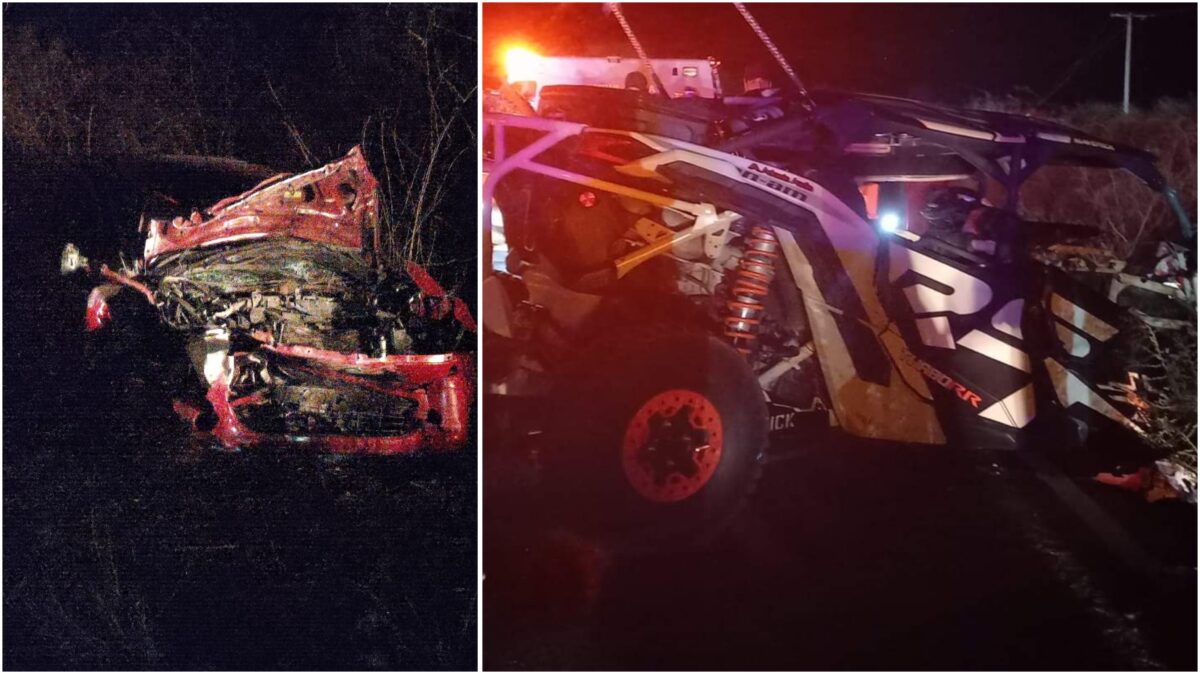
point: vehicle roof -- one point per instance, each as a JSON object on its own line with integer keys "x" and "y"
{"x": 859, "y": 117}
{"x": 877, "y": 134}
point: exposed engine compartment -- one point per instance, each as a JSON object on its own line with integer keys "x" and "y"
{"x": 297, "y": 292}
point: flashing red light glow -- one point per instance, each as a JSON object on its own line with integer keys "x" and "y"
{"x": 520, "y": 65}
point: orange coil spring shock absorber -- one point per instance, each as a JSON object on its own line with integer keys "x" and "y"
{"x": 751, "y": 282}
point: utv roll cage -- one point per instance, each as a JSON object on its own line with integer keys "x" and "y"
{"x": 498, "y": 163}
{"x": 1006, "y": 147}
{"x": 860, "y": 134}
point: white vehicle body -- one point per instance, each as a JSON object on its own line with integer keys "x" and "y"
{"x": 680, "y": 77}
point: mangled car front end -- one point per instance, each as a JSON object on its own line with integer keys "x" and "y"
{"x": 298, "y": 333}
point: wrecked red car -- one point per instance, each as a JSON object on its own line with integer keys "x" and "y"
{"x": 297, "y": 331}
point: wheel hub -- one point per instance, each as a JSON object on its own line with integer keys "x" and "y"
{"x": 672, "y": 445}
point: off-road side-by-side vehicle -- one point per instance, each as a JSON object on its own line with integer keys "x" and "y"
{"x": 294, "y": 331}
{"x": 689, "y": 284}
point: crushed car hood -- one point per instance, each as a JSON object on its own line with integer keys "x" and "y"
{"x": 337, "y": 205}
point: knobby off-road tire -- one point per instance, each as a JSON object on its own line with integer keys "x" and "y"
{"x": 616, "y": 400}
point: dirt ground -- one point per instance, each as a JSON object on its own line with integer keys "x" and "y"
{"x": 128, "y": 546}
{"x": 850, "y": 557}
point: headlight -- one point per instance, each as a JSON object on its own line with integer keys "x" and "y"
{"x": 889, "y": 221}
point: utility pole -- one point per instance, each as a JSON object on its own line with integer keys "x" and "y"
{"x": 1129, "y": 17}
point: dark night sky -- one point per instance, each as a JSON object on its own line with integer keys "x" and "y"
{"x": 934, "y": 51}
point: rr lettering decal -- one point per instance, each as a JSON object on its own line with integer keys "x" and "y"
{"x": 968, "y": 295}
{"x": 941, "y": 379}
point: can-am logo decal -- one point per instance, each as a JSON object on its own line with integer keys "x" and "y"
{"x": 771, "y": 172}
{"x": 777, "y": 180}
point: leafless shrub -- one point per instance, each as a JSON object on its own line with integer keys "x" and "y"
{"x": 1166, "y": 361}
{"x": 400, "y": 80}
{"x": 1118, "y": 203}
{"x": 46, "y": 103}
{"x": 419, "y": 174}
{"x": 419, "y": 136}
{"x": 145, "y": 98}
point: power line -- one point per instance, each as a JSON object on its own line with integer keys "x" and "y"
{"x": 1099, "y": 46}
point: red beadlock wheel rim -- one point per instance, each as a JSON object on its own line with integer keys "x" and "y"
{"x": 672, "y": 446}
